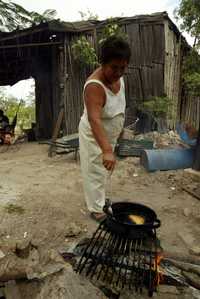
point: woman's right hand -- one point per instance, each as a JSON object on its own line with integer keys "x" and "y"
{"x": 109, "y": 161}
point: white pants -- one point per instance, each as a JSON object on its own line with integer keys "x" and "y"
{"x": 94, "y": 173}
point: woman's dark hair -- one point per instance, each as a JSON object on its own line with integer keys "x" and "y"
{"x": 114, "y": 47}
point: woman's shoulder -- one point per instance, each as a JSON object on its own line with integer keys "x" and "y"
{"x": 95, "y": 79}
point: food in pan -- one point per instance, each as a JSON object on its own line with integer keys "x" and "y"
{"x": 136, "y": 219}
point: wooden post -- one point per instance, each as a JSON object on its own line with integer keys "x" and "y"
{"x": 65, "y": 77}
{"x": 56, "y": 131}
{"x": 196, "y": 165}
{"x": 63, "y": 108}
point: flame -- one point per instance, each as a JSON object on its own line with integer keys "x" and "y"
{"x": 157, "y": 269}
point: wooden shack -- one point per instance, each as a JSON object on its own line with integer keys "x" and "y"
{"x": 44, "y": 52}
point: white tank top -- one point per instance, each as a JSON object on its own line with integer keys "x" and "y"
{"x": 112, "y": 116}
{"x": 114, "y": 104}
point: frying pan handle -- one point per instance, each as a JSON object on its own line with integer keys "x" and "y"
{"x": 156, "y": 223}
{"x": 108, "y": 207}
{"x": 152, "y": 225}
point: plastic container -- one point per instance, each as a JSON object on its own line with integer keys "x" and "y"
{"x": 167, "y": 159}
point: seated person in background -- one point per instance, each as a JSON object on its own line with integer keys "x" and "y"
{"x": 4, "y": 121}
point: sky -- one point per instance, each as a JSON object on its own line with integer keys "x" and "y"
{"x": 69, "y": 11}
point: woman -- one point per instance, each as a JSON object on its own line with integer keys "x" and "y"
{"x": 102, "y": 121}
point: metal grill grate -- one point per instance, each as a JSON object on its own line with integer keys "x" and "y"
{"x": 121, "y": 261}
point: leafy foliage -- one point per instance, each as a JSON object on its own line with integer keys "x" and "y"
{"x": 13, "y": 16}
{"x": 112, "y": 28}
{"x": 193, "y": 83}
{"x": 191, "y": 72}
{"x": 158, "y": 107}
{"x": 88, "y": 15}
{"x": 192, "y": 62}
{"x": 189, "y": 13}
{"x": 26, "y": 114}
{"x": 83, "y": 52}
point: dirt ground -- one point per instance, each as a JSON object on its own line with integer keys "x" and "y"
{"x": 41, "y": 199}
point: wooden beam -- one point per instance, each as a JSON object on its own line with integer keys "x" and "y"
{"x": 30, "y": 45}
{"x": 19, "y": 34}
{"x": 191, "y": 192}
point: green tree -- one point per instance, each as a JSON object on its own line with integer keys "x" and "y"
{"x": 88, "y": 15}
{"x": 188, "y": 13}
{"x": 83, "y": 50}
{"x": 159, "y": 108}
{"x": 13, "y": 16}
{"x": 26, "y": 113}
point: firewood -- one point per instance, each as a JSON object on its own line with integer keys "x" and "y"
{"x": 192, "y": 279}
{"x": 185, "y": 266}
{"x": 182, "y": 257}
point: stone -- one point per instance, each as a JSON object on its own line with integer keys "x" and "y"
{"x": 46, "y": 271}
{"x": 12, "y": 291}
{"x": 195, "y": 293}
{"x": 122, "y": 182}
{"x": 73, "y": 230}
{"x": 2, "y": 255}
{"x": 168, "y": 289}
{"x": 23, "y": 248}
{"x": 195, "y": 250}
{"x": 186, "y": 212}
{"x": 65, "y": 284}
{"x": 192, "y": 172}
{"x": 187, "y": 238}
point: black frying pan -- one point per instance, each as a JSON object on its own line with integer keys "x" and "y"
{"x": 119, "y": 220}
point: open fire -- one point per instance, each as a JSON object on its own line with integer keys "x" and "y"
{"x": 158, "y": 270}
{"x": 123, "y": 260}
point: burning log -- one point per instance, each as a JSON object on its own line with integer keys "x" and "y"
{"x": 179, "y": 273}
{"x": 185, "y": 266}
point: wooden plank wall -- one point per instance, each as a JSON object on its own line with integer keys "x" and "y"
{"x": 190, "y": 110}
{"x": 154, "y": 70}
{"x": 74, "y": 88}
{"x": 185, "y": 107}
{"x": 172, "y": 81}
{"x": 144, "y": 78}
